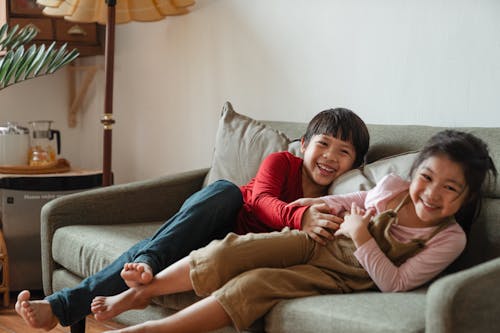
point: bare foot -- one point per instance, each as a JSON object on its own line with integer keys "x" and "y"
{"x": 105, "y": 308}
{"x": 136, "y": 274}
{"x": 37, "y": 314}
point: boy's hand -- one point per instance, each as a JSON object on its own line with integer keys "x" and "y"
{"x": 319, "y": 223}
{"x": 355, "y": 225}
{"x": 306, "y": 202}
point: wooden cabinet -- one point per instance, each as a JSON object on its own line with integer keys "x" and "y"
{"x": 88, "y": 38}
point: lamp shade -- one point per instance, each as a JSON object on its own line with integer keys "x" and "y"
{"x": 126, "y": 10}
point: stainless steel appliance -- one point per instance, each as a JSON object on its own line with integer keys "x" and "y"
{"x": 14, "y": 144}
{"x": 22, "y": 199}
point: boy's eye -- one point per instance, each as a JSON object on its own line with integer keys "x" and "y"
{"x": 425, "y": 177}
{"x": 346, "y": 152}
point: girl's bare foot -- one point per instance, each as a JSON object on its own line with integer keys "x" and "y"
{"x": 105, "y": 308}
{"x": 37, "y": 314}
{"x": 136, "y": 274}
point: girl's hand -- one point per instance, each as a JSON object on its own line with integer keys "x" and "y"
{"x": 355, "y": 225}
{"x": 319, "y": 223}
{"x": 306, "y": 202}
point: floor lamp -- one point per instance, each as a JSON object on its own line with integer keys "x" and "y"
{"x": 110, "y": 13}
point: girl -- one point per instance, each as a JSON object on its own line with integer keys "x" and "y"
{"x": 412, "y": 238}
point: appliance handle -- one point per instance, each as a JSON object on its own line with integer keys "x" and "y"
{"x": 58, "y": 139}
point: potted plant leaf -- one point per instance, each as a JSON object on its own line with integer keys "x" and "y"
{"x": 18, "y": 64}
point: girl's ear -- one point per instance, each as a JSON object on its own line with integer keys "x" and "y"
{"x": 303, "y": 145}
{"x": 471, "y": 197}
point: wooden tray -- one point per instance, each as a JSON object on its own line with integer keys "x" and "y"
{"x": 59, "y": 166}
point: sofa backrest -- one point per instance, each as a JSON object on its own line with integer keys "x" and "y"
{"x": 388, "y": 140}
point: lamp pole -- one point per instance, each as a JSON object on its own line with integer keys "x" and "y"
{"x": 107, "y": 119}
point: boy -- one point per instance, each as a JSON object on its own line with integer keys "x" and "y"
{"x": 335, "y": 141}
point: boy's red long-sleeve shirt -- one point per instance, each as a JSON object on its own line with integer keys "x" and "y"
{"x": 277, "y": 183}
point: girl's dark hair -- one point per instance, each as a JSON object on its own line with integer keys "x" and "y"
{"x": 479, "y": 170}
{"x": 342, "y": 124}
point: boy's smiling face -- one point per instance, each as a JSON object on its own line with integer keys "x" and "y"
{"x": 325, "y": 158}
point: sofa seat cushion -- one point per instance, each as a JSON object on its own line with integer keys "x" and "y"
{"x": 86, "y": 249}
{"x": 372, "y": 312}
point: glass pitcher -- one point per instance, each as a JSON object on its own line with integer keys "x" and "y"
{"x": 42, "y": 150}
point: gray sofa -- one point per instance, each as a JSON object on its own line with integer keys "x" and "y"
{"x": 83, "y": 232}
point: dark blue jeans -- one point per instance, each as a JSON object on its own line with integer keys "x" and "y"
{"x": 208, "y": 214}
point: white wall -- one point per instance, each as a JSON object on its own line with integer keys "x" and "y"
{"x": 432, "y": 62}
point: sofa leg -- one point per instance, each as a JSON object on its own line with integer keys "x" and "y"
{"x": 78, "y": 327}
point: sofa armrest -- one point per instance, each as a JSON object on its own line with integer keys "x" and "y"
{"x": 143, "y": 201}
{"x": 466, "y": 301}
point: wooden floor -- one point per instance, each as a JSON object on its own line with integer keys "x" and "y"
{"x": 10, "y": 322}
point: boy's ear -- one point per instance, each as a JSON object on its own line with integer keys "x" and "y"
{"x": 303, "y": 145}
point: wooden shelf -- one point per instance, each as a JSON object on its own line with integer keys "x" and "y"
{"x": 78, "y": 92}
{"x": 88, "y": 38}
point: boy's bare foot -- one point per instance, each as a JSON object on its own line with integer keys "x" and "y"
{"x": 136, "y": 274}
{"x": 105, "y": 308}
{"x": 37, "y": 314}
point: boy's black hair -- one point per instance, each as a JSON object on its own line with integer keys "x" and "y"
{"x": 342, "y": 124}
{"x": 479, "y": 170}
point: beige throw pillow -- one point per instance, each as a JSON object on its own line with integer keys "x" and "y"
{"x": 241, "y": 144}
{"x": 294, "y": 148}
{"x": 399, "y": 164}
{"x": 367, "y": 177}
{"x": 351, "y": 181}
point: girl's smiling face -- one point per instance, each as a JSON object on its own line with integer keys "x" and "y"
{"x": 438, "y": 189}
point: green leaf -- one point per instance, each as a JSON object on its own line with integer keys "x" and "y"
{"x": 28, "y": 59}
{"x": 1, "y": 62}
{"x": 16, "y": 62}
{"x": 70, "y": 56}
{"x": 16, "y": 36}
{"x": 3, "y": 29}
{"x": 67, "y": 58}
{"x": 39, "y": 53}
{"x": 9, "y": 36}
{"x": 5, "y": 67}
{"x": 47, "y": 56}
{"x": 26, "y": 34}
{"x": 59, "y": 55}
{"x": 47, "y": 62}
{"x": 29, "y": 31}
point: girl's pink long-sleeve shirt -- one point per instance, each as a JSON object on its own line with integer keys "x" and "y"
{"x": 440, "y": 251}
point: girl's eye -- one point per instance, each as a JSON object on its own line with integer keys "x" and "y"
{"x": 451, "y": 188}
